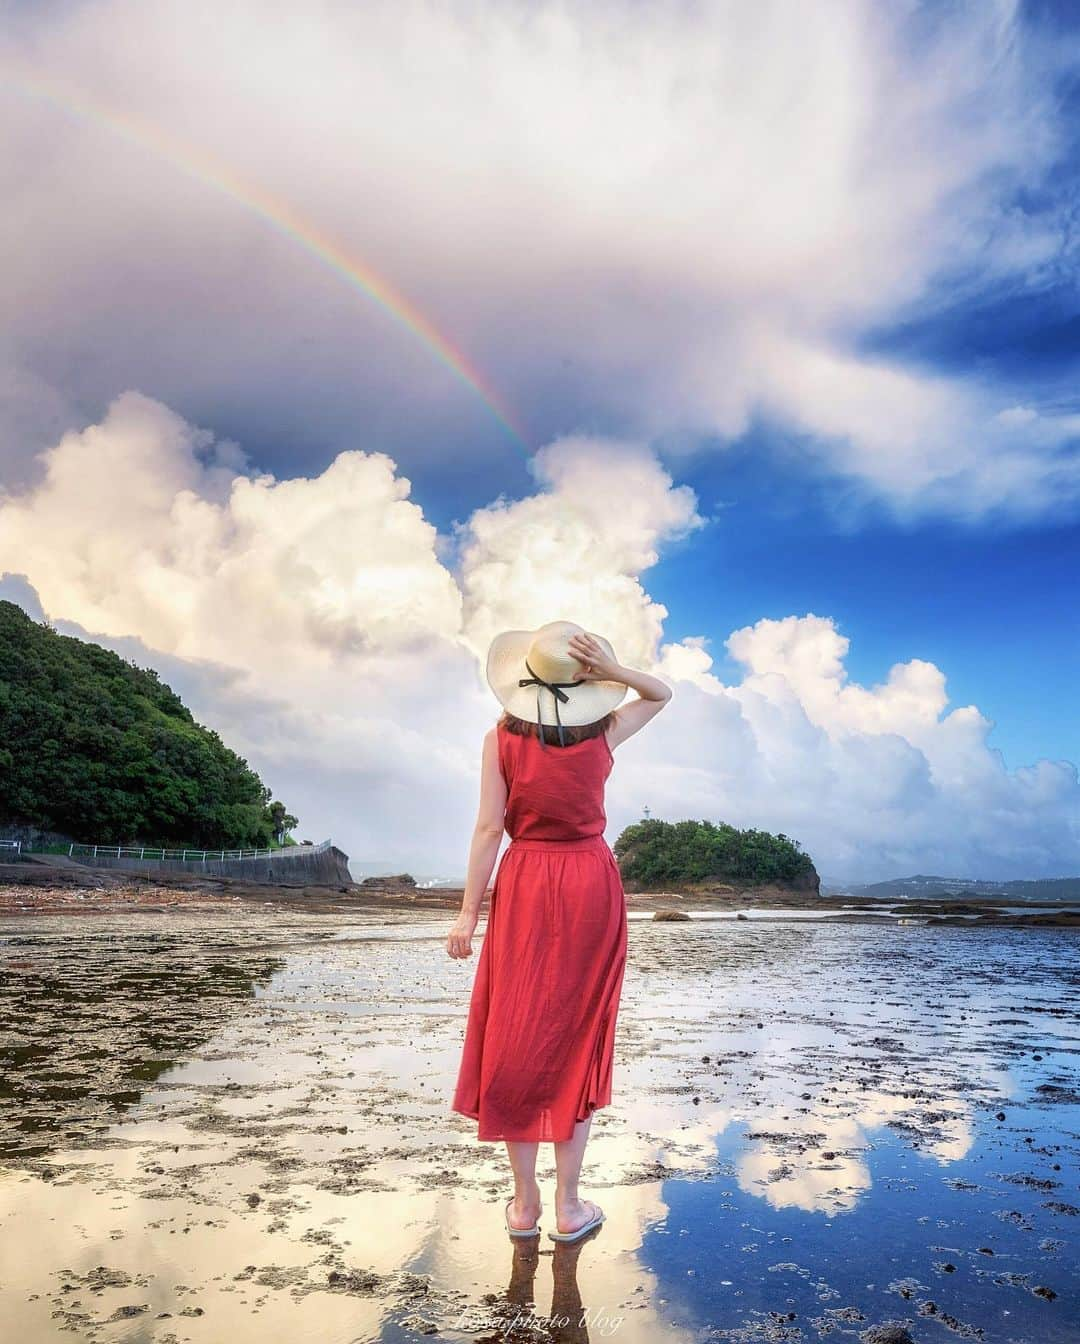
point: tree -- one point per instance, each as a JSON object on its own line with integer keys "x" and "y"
{"x": 281, "y": 821}
{"x": 99, "y": 749}
{"x": 701, "y": 851}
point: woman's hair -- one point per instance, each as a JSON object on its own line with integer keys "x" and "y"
{"x": 523, "y": 728}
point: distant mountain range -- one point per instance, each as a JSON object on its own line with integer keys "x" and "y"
{"x": 922, "y": 885}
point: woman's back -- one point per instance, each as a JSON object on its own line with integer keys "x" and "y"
{"x": 554, "y": 793}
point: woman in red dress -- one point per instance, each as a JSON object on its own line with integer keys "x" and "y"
{"x": 539, "y": 1041}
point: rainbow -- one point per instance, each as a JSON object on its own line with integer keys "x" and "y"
{"x": 286, "y": 220}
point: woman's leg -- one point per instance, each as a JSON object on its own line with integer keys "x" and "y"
{"x": 570, "y": 1211}
{"x": 526, "y": 1206}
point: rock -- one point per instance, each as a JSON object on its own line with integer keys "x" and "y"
{"x": 126, "y": 1313}
{"x": 888, "y": 1332}
{"x": 1055, "y": 1092}
{"x": 363, "y": 1282}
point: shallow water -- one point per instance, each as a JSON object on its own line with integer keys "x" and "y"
{"x": 235, "y": 1126}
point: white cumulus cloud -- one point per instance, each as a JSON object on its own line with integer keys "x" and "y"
{"x": 314, "y": 624}
{"x": 579, "y": 545}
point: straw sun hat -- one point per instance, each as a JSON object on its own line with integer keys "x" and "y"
{"x": 532, "y": 674}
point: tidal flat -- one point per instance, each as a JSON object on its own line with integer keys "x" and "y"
{"x": 232, "y": 1124}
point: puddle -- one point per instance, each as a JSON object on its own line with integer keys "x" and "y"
{"x": 229, "y": 1125}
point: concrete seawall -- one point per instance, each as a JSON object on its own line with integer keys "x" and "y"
{"x": 328, "y": 868}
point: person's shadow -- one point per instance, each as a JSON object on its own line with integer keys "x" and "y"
{"x": 564, "y": 1322}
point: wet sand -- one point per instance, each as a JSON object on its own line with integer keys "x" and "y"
{"x": 227, "y": 1120}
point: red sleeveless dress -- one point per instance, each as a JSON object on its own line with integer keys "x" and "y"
{"x": 540, "y": 1036}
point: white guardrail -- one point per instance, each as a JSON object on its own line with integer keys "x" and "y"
{"x": 191, "y": 855}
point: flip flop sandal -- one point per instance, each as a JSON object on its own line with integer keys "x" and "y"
{"x": 521, "y": 1231}
{"x": 585, "y": 1227}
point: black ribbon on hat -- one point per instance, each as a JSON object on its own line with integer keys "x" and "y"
{"x": 555, "y": 687}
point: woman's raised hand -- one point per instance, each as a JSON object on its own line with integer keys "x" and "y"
{"x": 598, "y": 666}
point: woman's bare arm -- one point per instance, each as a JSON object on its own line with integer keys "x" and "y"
{"x": 634, "y": 716}
{"x": 654, "y": 693}
{"x": 486, "y": 839}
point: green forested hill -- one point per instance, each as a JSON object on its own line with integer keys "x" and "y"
{"x": 101, "y": 750}
{"x": 703, "y": 851}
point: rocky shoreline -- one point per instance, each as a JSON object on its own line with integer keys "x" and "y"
{"x": 41, "y": 889}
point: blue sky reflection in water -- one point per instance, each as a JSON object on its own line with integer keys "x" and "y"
{"x": 724, "y": 1256}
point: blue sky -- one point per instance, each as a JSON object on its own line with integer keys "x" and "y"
{"x": 992, "y": 606}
